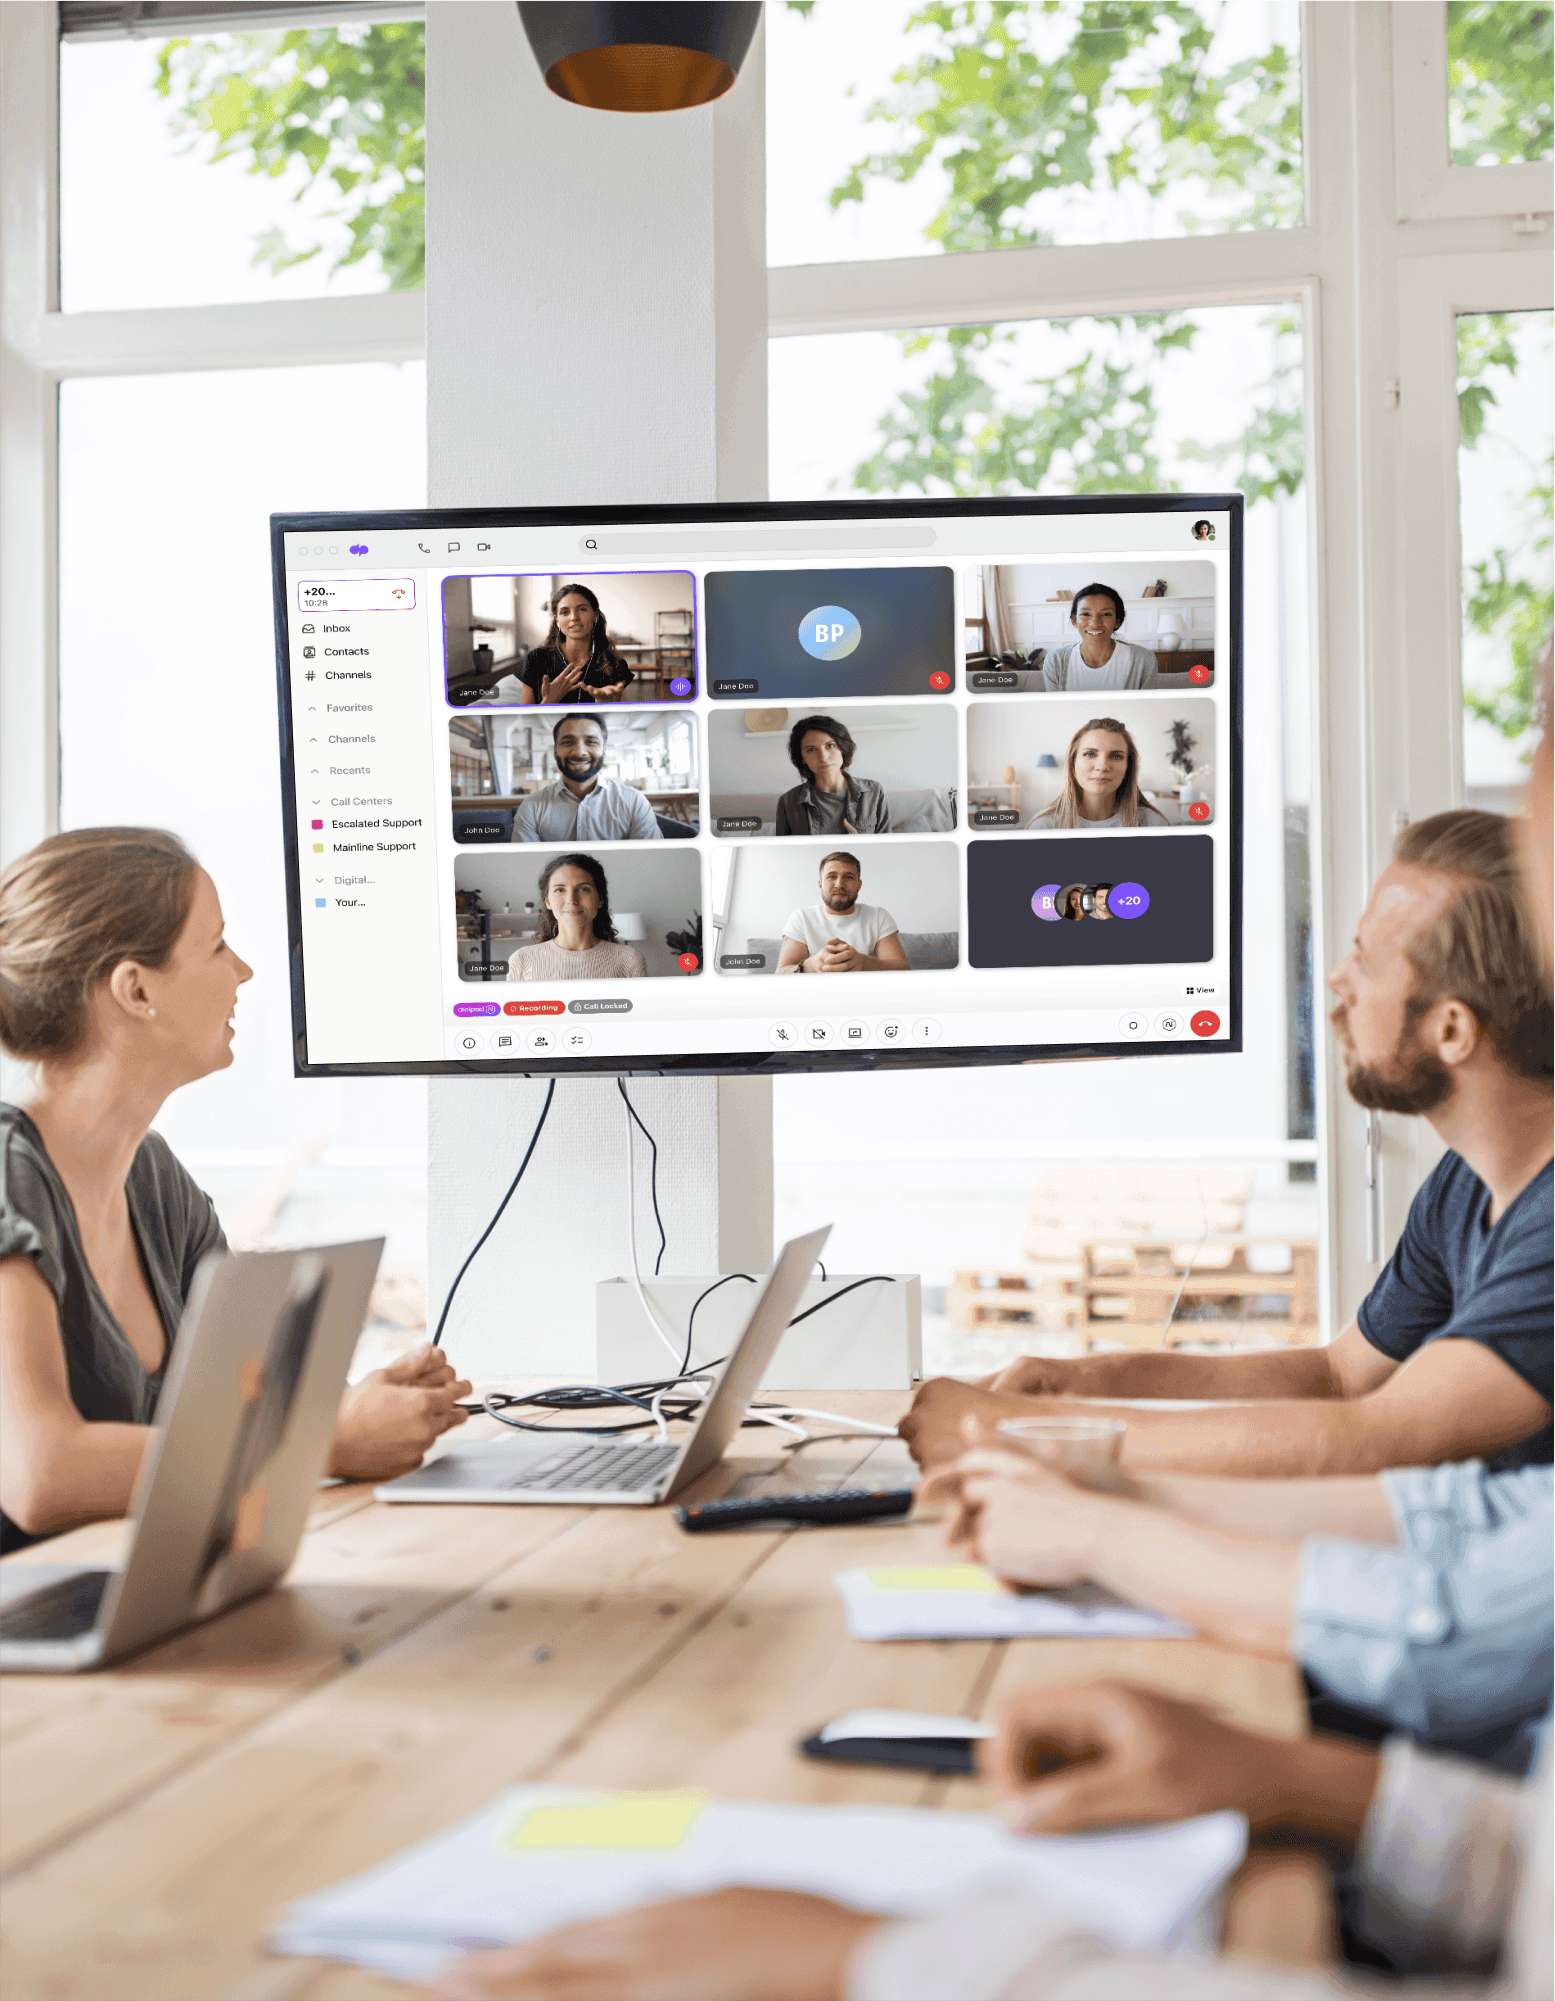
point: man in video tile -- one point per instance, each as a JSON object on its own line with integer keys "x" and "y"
{"x": 582, "y": 805}
{"x": 839, "y": 934}
{"x": 829, "y": 800}
{"x": 1098, "y": 894}
{"x": 1097, "y": 658}
{"x": 1101, "y": 782}
{"x": 578, "y": 661}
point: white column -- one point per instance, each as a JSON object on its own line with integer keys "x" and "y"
{"x": 596, "y": 332}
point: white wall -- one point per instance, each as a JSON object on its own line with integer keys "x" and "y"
{"x": 667, "y": 402}
{"x": 1011, "y": 731}
{"x": 628, "y": 598}
{"x": 899, "y": 745}
{"x": 918, "y": 881}
{"x": 1186, "y": 577}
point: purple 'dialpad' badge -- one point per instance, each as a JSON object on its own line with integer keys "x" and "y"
{"x": 1128, "y": 899}
{"x": 476, "y": 1007}
{"x": 1042, "y": 903}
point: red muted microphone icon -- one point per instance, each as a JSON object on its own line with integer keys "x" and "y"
{"x": 1198, "y": 675}
{"x": 1199, "y": 810}
{"x": 939, "y": 681}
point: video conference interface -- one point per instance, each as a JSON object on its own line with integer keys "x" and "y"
{"x": 594, "y": 809}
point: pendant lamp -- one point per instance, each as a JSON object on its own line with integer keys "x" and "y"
{"x": 639, "y": 56}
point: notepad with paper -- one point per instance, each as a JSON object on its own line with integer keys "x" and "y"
{"x": 542, "y": 1856}
{"x": 959, "y": 1601}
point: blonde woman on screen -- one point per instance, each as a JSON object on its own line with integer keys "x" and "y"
{"x": 1101, "y": 787}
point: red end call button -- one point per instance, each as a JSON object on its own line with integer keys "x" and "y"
{"x": 1198, "y": 675}
{"x": 939, "y": 681}
{"x": 1205, "y": 1022}
{"x": 1199, "y": 810}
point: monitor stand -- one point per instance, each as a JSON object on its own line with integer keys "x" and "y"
{"x": 526, "y": 1305}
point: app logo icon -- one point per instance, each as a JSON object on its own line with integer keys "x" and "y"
{"x": 358, "y": 548}
{"x": 830, "y": 632}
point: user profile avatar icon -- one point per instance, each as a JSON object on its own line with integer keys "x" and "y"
{"x": 830, "y": 632}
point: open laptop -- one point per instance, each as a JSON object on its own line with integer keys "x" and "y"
{"x": 242, "y": 1437}
{"x": 532, "y": 1467}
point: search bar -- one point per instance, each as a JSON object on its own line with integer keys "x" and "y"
{"x": 754, "y": 541}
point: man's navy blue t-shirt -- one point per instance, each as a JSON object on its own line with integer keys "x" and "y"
{"x": 1456, "y": 1276}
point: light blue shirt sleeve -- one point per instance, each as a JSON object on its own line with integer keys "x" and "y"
{"x": 1449, "y": 1635}
{"x": 644, "y": 827}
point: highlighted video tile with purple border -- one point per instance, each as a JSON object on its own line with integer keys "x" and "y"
{"x": 805, "y": 635}
{"x": 1091, "y": 902}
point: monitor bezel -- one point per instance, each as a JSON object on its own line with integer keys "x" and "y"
{"x": 770, "y": 1063}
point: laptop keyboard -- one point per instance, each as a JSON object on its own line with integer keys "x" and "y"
{"x": 613, "y": 1468}
{"x": 62, "y": 1611}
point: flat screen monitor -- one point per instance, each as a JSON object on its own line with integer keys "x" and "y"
{"x": 761, "y": 788}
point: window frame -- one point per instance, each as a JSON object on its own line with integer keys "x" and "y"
{"x": 1431, "y": 186}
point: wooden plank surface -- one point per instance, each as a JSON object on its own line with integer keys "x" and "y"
{"x": 421, "y": 1658}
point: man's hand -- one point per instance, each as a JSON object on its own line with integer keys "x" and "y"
{"x": 1107, "y": 1754}
{"x": 733, "y": 1945}
{"x": 391, "y": 1417}
{"x": 935, "y": 1427}
{"x": 1025, "y": 1522}
{"x": 835, "y": 956}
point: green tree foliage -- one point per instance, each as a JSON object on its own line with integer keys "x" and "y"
{"x": 347, "y": 104}
{"x": 1015, "y": 104}
{"x": 1499, "y": 73}
{"x": 1501, "y": 600}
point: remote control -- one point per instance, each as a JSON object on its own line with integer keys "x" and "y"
{"x": 847, "y": 1504}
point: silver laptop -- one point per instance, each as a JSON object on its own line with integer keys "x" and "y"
{"x": 592, "y": 1470}
{"x": 242, "y": 1437}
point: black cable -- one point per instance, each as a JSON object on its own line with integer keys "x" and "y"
{"x": 573, "y": 1398}
{"x": 534, "y": 1139}
{"x": 653, "y": 1172}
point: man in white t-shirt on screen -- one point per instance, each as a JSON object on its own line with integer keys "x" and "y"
{"x": 839, "y": 934}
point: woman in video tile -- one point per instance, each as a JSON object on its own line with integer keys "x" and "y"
{"x": 1101, "y": 788}
{"x": 577, "y": 663}
{"x": 829, "y": 799}
{"x": 577, "y": 936}
{"x": 1097, "y": 659}
{"x": 1071, "y": 903}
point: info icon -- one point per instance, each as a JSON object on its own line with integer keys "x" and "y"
{"x": 1198, "y": 675}
{"x": 1199, "y": 810}
{"x": 939, "y": 681}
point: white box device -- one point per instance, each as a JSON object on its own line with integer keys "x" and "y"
{"x": 871, "y": 1340}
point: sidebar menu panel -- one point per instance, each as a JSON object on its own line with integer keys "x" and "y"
{"x": 366, "y": 807}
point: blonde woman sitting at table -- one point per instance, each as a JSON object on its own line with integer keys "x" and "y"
{"x": 1101, "y": 787}
{"x": 118, "y": 986}
{"x": 577, "y": 937}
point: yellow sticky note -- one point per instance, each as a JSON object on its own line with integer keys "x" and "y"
{"x": 620, "y": 1820}
{"x": 932, "y": 1577}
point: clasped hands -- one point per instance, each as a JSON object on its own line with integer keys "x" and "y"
{"x": 835, "y": 956}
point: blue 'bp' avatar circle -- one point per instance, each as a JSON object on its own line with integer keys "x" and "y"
{"x": 829, "y": 632}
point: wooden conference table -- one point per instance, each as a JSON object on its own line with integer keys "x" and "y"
{"x": 157, "y": 1815}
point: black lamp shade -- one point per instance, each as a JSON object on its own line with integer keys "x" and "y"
{"x": 639, "y": 56}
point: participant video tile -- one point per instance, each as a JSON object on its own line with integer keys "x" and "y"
{"x": 550, "y": 915}
{"x": 1088, "y": 764}
{"x": 836, "y": 770}
{"x": 577, "y": 775}
{"x": 1101, "y": 901}
{"x": 570, "y": 642}
{"x": 869, "y": 907}
{"x": 808, "y": 635}
{"x": 1094, "y": 627}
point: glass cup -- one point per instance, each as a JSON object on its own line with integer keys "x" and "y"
{"x": 1088, "y": 1449}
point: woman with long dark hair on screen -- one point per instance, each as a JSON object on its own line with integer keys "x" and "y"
{"x": 577, "y": 934}
{"x": 829, "y": 799}
{"x": 1101, "y": 786}
{"x": 578, "y": 662}
{"x": 117, "y": 987}
{"x": 1096, "y": 659}
{"x": 1071, "y": 904}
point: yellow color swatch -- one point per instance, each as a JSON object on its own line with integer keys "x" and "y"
{"x": 619, "y": 1820}
{"x": 932, "y": 1577}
